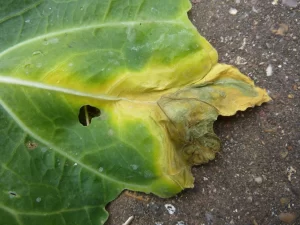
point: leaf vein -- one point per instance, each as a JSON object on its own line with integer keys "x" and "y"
{"x": 32, "y": 84}
{"x": 93, "y": 26}
{"x": 139, "y": 8}
{"x": 4, "y": 166}
{"x": 107, "y": 10}
{"x": 34, "y": 5}
{"x": 56, "y": 149}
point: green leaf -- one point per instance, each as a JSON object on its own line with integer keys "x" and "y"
{"x": 99, "y": 96}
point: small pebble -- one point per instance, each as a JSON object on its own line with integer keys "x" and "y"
{"x": 240, "y": 61}
{"x": 290, "y": 171}
{"x": 233, "y": 11}
{"x": 209, "y": 218}
{"x": 295, "y": 87}
{"x": 291, "y": 96}
{"x": 258, "y": 180}
{"x": 287, "y": 217}
{"x": 249, "y": 199}
{"x": 284, "y": 154}
{"x": 269, "y": 70}
{"x": 180, "y": 223}
{"x": 290, "y": 3}
{"x": 171, "y": 209}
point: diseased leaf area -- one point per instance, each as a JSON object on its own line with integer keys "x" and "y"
{"x": 99, "y": 96}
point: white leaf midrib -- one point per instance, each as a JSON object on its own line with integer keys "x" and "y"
{"x": 62, "y": 90}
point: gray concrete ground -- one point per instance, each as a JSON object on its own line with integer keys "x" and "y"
{"x": 255, "y": 180}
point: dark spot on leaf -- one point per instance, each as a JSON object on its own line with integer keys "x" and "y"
{"x": 31, "y": 145}
{"x": 12, "y": 194}
{"x": 87, "y": 113}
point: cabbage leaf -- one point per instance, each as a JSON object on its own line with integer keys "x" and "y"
{"x": 98, "y": 96}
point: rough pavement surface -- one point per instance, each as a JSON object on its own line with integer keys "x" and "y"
{"x": 255, "y": 179}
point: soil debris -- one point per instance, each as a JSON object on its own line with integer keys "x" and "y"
{"x": 284, "y": 201}
{"x": 135, "y": 196}
{"x": 282, "y": 29}
{"x": 128, "y": 222}
{"x": 287, "y": 217}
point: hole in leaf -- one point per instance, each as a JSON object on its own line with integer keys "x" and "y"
{"x": 87, "y": 113}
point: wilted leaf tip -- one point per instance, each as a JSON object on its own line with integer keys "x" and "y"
{"x": 189, "y": 114}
